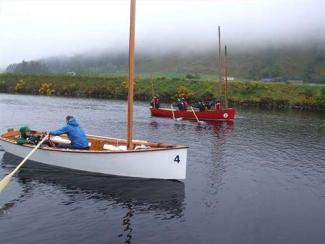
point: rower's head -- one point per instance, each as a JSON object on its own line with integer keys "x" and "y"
{"x": 68, "y": 117}
{"x": 24, "y": 131}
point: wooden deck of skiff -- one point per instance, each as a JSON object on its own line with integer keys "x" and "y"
{"x": 97, "y": 143}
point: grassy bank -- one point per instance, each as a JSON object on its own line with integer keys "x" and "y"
{"x": 272, "y": 95}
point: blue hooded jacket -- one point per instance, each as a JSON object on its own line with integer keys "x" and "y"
{"x": 75, "y": 133}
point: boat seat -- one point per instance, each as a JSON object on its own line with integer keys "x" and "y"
{"x": 11, "y": 134}
{"x": 97, "y": 145}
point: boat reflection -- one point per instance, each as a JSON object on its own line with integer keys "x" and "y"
{"x": 218, "y": 127}
{"x": 164, "y": 197}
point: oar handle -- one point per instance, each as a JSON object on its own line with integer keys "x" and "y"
{"x": 29, "y": 154}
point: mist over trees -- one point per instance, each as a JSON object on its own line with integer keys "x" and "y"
{"x": 278, "y": 63}
{"x": 32, "y": 67}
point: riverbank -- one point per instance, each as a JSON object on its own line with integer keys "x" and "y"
{"x": 243, "y": 93}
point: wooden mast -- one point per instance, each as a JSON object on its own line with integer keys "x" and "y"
{"x": 131, "y": 74}
{"x": 226, "y": 78}
{"x": 219, "y": 65}
{"x": 152, "y": 88}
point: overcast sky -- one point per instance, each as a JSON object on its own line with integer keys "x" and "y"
{"x": 37, "y": 29}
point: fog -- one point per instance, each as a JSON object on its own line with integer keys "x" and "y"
{"x": 38, "y": 29}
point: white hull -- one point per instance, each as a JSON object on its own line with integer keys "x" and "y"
{"x": 151, "y": 163}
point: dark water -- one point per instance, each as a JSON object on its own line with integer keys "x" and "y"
{"x": 260, "y": 179}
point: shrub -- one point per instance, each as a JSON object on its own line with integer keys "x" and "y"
{"x": 321, "y": 98}
{"x": 308, "y": 92}
{"x": 190, "y": 76}
{"x": 20, "y": 86}
{"x": 183, "y": 91}
{"x": 46, "y": 89}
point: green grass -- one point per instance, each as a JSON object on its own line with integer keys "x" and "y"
{"x": 309, "y": 96}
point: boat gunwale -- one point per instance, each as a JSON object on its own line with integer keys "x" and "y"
{"x": 64, "y": 150}
{"x": 196, "y": 111}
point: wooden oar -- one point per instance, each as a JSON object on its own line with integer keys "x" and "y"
{"x": 178, "y": 119}
{"x": 197, "y": 119}
{"x": 5, "y": 181}
{"x": 171, "y": 107}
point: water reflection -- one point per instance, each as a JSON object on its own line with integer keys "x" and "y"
{"x": 154, "y": 124}
{"x": 4, "y": 209}
{"x": 164, "y": 198}
{"x": 214, "y": 157}
{"x": 221, "y": 126}
{"x": 216, "y": 126}
{"x": 180, "y": 127}
{"x": 127, "y": 224}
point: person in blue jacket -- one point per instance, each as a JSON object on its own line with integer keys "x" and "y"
{"x": 75, "y": 133}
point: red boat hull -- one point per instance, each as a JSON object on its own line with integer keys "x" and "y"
{"x": 220, "y": 115}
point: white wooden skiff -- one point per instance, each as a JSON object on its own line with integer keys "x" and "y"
{"x": 149, "y": 160}
{"x": 110, "y": 155}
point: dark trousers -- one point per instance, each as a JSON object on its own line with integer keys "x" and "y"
{"x": 69, "y": 146}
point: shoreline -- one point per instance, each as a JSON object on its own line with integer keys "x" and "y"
{"x": 271, "y": 106}
{"x": 279, "y": 96}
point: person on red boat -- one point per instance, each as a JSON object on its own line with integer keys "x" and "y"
{"x": 75, "y": 133}
{"x": 217, "y": 105}
{"x": 201, "y": 106}
{"x": 152, "y": 102}
{"x": 155, "y": 103}
{"x": 207, "y": 104}
{"x": 185, "y": 104}
{"x": 179, "y": 104}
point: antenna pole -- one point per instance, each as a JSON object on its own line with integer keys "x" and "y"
{"x": 131, "y": 74}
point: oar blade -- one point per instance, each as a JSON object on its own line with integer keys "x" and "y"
{"x": 4, "y": 182}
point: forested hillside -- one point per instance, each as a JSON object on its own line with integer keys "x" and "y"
{"x": 279, "y": 63}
